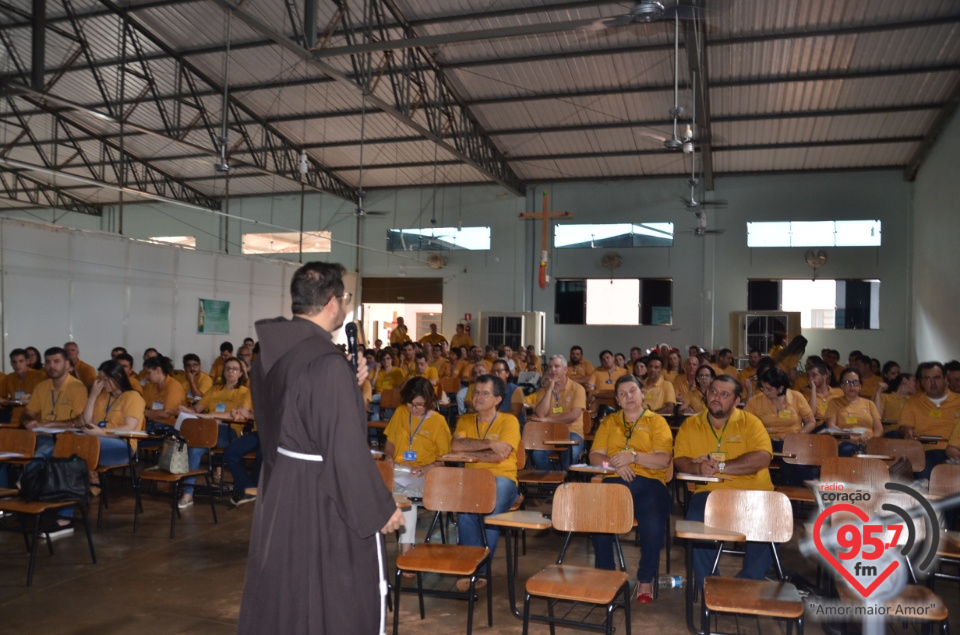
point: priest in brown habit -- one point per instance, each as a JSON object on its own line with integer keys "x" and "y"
{"x": 316, "y": 562}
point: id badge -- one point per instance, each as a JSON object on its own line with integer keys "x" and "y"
{"x": 558, "y": 410}
{"x": 18, "y": 395}
{"x": 719, "y": 457}
{"x": 221, "y": 407}
{"x": 785, "y": 414}
{"x": 102, "y": 424}
{"x": 609, "y": 381}
{"x": 156, "y": 406}
{"x": 936, "y": 413}
{"x": 852, "y": 420}
{"x": 409, "y": 455}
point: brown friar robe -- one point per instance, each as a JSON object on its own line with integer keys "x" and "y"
{"x": 316, "y": 559}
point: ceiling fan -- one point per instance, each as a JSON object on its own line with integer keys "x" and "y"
{"x": 647, "y": 11}
{"x": 701, "y": 229}
{"x": 360, "y": 211}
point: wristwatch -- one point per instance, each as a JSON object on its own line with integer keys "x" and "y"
{"x": 722, "y": 466}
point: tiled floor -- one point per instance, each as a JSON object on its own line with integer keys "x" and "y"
{"x": 146, "y": 583}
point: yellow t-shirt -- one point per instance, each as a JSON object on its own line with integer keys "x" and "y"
{"x": 168, "y": 397}
{"x": 58, "y": 405}
{"x": 114, "y": 410}
{"x": 504, "y": 427}
{"x": 203, "y": 381}
{"x": 583, "y": 369}
{"x": 387, "y": 381}
{"x": 802, "y": 384}
{"x": 743, "y": 433}
{"x": 787, "y": 421}
{"x": 442, "y": 367}
{"x": 223, "y": 400}
{"x": 12, "y": 387}
{"x": 730, "y": 370}
{"x": 604, "y": 380}
{"x": 408, "y": 367}
{"x": 85, "y": 373}
{"x": 925, "y": 417}
{"x": 869, "y": 386}
{"x": 571, "y": 397}
{"x": 649, "y": 433}
{"x": 399, "y": 336}
{"x": 431, "y": 441}
{"x": 658, "y": 395}
{"x": 432, "y": 339}
{"x": 461, "y": 340}
{"x": 430, "y": 375}
{"x": 744, "y": 377}
{"x": 857, "y": 414}
{"x": 823, "y": 402}
{"x": 135, "y": 382}
{"x": 893, "y": 405}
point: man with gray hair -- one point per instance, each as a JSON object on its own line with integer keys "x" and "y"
{"x": 322, "y": 504}
{"x": 561, "y": 399}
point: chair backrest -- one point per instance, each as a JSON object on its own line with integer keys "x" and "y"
{"x": 896, "y": 448}
{"x": 866, "y": 475}
{"x": 85, "y": 446}
{"x": 536, "y": 433}
{"x": 810, "y": 449}
{"x": 460, "y": 489}
{"x": 386, "y": 472}
{"x": 521, "y": 456}
{"x": 390, "y": 398}
{"x": 19, "y": 440}
{"x": 200, "y": 433}
{"x": 447, "y": 385}
{"x": 599, "y": 508}
{"x": 945, "y": 480}
{"x": 760, "y": 515}
{"x": 587, "y": 423}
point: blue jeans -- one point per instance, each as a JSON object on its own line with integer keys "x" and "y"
{"x": 233, "y": 459}
{"x": 651, "y": 508}
{"x": 375, "y": 407}
{"x": 933, "y": 458}
{"x": 757, "y": 558}
{"x": 469, "y": 525}
{"x": 114, "y": 451}
{"x": 541, "y": 460}
{"x": 461, "y": 400}
{"x": 225, "y": 436}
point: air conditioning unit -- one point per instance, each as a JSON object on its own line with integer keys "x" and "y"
{"x": 755, "y": 329}
{"x": 515, "y": 329}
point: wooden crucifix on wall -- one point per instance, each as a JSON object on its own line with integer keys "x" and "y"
{"x": 545, "y": 217}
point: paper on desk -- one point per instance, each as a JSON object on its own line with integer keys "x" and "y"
{"x": 46, "y": 430}
{"x": 11, "y": 455}
{"x": 183, "y": 417}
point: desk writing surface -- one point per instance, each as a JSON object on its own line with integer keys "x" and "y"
{"x": 456, "y": 457}
{"x": 521, "y": 519}
{"x": 695, "y": 530}
{"x": 697, "y": 478}
{"x": 592, "y": 469}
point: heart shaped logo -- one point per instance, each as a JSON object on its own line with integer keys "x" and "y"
{"x": 849, "y": 577}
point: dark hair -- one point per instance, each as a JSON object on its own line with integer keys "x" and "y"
{"x": 385, "y": 352}
{"x": 125, "y": 357}
{"x": 606, "y": 352}
{"x": 777, "y": 378}
{"x": 725, "y": 351}
{"x": 951, "y": 366}
{"x": 242, "y": 381}
{"x": 314, "y": 285}
{"x": 894, "y": 383}
{"x": 150, "y": 350}
{"x": 55, "y": 350}
{"x": 499, "y": 388}
{"x": 17, "y": 351}
{"x": 709, "y": 368}
{"x": 112, "y": 369}
{"x": 575, "y": 347}
{"x": 191, "y": 357}
{"x": 226, "y": 346}
{"x": 848, "y": 370}
{"x": 117, "y": 348}
{"x": 418, "y": 387}
{"x": 727, "y": 379}
{"x": 654, "y": 357}
{"x": 421, "y": 356}
{"x": 161, "y": 362}
{"x": 927, "y": 366}
{"x": 765, "y": 362}
{"x": 797, "y": 346}
{"x": 824, "y": 370}
{"x": 39, "y": 363}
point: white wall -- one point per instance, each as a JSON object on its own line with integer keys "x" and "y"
{"x": 936, "y": 213}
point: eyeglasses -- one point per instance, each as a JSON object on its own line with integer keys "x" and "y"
{"x": 414, "y": 404}
{"x": 851, "y": 382}
{"x": 713, "y": 392}
{"x": 346, "y": 297}
{"x": 482, "y": 393}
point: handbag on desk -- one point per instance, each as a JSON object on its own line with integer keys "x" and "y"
{"x": 56, "y": 480}
{"x": 174, "y": 456}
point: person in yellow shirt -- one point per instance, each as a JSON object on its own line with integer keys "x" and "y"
{"x": 492, "y": 437}
{"x": 821, "y": 393}
{"x": 853, "y": 412}
{"x": 724, "y": 440}
{"x": 17, "y": 388}
{"x": 869, "y": 382}
{"x": 440, "y": 363}
{"x": 605, "y": 378}
{"x": 745, "y": 375}
{"x": 782, "y": 411}
{"x": 559, "y": 399}
{"x": 724, "y": 365}
{"x": 461, "y": 338}
{"x": 399, "y": 333}
{"x": 193, "y": 380}
{"x": 417, "y": 436}
{"x": 533, "y": 357}
{"x": 673, "y": 366}
{"x": 408, "y": 363}
{"x": 216, "y": 370}
{"x": 113, "y": 405}
{"x": 163, "y": 394}
{"x": 58, "y": 401}
{"x": 637, "y": 444}
{"x": 935, "y": 412}
{"x": 384, "y": 377}
{"x": 433, "y": 338}
{"x": 579, "y": 369}
{"x": 695, "y": 400}
{"x": 81, "y": 370}
{"x": 891, "y": 399}
{"x": 423, "y": 369}
{"x": 126, "y": 361}
{"x": 658, "y": 394}
{"x": 686, "y": 381}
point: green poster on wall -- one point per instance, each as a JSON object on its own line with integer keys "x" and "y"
{"x": 214, "y": 317}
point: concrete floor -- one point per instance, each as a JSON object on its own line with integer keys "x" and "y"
{"x": 146, "y": 583}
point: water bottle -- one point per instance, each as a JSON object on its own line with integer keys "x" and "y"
{"x": 670, "y": 582}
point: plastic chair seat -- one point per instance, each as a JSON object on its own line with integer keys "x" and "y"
{"x": 444, "y": 559}
{"x": 156, "y": 474}
{"x": 546, "y": 477}
{"x": 577, "y": 584}
{"x": 18, "y": 506}
{"x": 798, "y": 494}
{"x": 931, "y": 607}
{"x": 752, "y": 597}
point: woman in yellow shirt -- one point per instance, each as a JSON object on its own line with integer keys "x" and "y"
{"x": 163, "y": 394}
{"x": 853, "y": 412}
{"x": 673, "y": 366}
{"x": 695, "y": 400}
{"x": 782, "y": 411}
{"x": 821, "y": 393}
{"x": 637, "y": 443}
{"x": 386, "y": 377}
{"x": 890, "y": 399}
{"x": 417, "y": 436}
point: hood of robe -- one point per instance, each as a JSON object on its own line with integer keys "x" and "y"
{"x": 278, "y": 335}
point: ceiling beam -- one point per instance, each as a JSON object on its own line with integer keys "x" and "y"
{"x": 19, "y": 185}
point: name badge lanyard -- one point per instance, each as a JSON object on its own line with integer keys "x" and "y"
{"x": 413, "y": 432}
{"x": 55, "y": 398}
{"x": 629, "y": 430}
{"x": 719, "y": 438}
{"x": 556, "y": 399}
{"x": 110, "y": 404}
{"x": 495, "y": 416}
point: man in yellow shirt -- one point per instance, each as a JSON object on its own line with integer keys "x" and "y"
{"x": 17, "y": 388}
{"x": 421, "y": 368}
{"x": 81, "y": 370}
{"x": 869, "y": 382}
{"x": 658, "y": 394}
{"x": 461, "y": 338}
{"x": 399, "y": 334}
{"x": 492, "y": 437}
{"x": 725, "y": 440}
{"x": 433, "y": 337}
{"x": 126, "y": 362}
{"x": 604, "y": 378}
{"x": 408, "y": 363}
{"x": 724, "y": 365}
{"x": 193, "y": 380}
{"x": 559, "y": 399}
{"x": 934, "y": 412}
{"x": 952, "y": 370}
{"x": 748, "y": 373}
{"x": 216, "y": 370}
{"x": 56, "y": 402}
{"x": 579, "y": 369}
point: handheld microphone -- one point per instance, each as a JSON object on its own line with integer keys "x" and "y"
{"x": 351, "y": 330}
